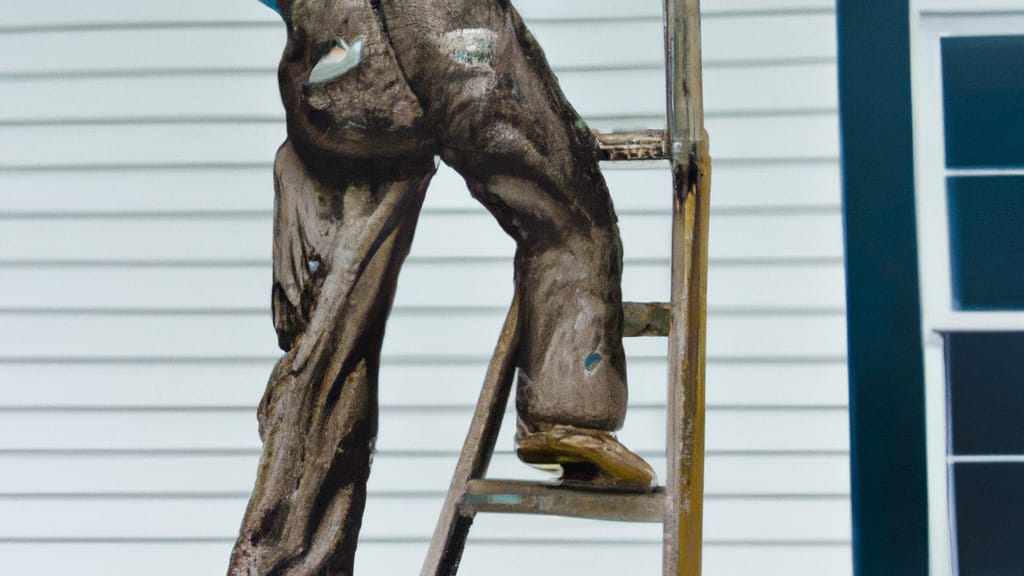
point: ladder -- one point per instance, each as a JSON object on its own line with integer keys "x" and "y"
{"x": 679, "y": 503}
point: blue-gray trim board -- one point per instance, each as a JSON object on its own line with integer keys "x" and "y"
{"x": 886, "y": 367}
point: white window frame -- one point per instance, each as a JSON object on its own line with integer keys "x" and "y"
{"x": 932, "y": 20}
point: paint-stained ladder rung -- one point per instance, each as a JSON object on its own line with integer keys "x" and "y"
{"x": 517, "y": 497}
{"x": 638, "y": 145}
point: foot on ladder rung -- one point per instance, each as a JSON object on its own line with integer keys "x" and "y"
{"x": 470, "y": 494}
{"x": 517, "y": 497}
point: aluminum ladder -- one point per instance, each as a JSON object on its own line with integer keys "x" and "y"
{"x": 679, "y": 503}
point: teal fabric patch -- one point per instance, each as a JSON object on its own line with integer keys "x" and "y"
{"x": 273, "y": 5}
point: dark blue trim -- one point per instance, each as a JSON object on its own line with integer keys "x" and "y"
{"x": 887, "y": 424}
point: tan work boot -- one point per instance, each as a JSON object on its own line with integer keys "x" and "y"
{"x": 588, "y": 458}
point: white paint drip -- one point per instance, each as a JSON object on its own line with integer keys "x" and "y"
{"x": 340, "y": 59}
{"x": 471, "y": 46}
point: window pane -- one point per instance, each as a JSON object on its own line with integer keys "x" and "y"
{"x": 986, "y": 392}
{"x": 986, "y": 237}
{"x": 989, "y": 510}
{"x": 983, "y": 89}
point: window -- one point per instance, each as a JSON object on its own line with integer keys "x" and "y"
{"x": 969, "y": 139}
{"x": 983, "y": 102}
{"x": 986, "y": 450}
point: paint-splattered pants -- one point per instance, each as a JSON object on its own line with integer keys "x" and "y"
{"x": 484, "y": 99}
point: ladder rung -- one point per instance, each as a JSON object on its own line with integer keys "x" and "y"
{"x": 639, "y": 145}
{"x": 516, "y": 497}
{"x": 646, "y": 318}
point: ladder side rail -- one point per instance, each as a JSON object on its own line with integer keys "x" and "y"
{"x": 687, "y": 146}
{"x": 449, "y": 539}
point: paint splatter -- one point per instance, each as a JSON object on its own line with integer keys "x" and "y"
{"x": 592, "y": 361}
{"x": 340, "y": 59}
{"x": 471, "y": 46}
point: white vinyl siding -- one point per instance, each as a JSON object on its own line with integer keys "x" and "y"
{"x": 136, "y": 142}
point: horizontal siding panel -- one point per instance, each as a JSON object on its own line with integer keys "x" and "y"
{"x": 75, "y": 336}
{"x": 785, "y": 36}
{"x": 735, "y": 6}
{"x": 781, "y": 137}
{"x": 717, "y": 560}
{"x": 158, "y": 190}
{"x": 480, "y": 559}
{"x": 162, "y": 475}
{"x": 710, "y": 9}
{"x": 794, "y": 287}
{"x": 643, "y": 188}
{"x": 441, "y": 429}
{"x": 242, "y": 96}
{"x": 218, "y": 143}
{"x": 138, "y": 144}
{"x": 177, "y": 49}
{"x": 959, "y": 8}
{"x": 748, "y": 520}
{"x": 129, "y": 12}
{"x": 728, "y": 89}
{"x": 240, "y": 384}
{"x": 124, "y": 12}
{"x": 246, "y": 96}
{"x": 246, "y": 288}
{"x": 158, "y": 288}
{"x": 144, "y": 385}
{"x": 567, "y": 44}
{"x": 246, "y": 238}
{"x": 778, "y": 185}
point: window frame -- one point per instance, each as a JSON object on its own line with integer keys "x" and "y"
{"x": 938, "y": 313}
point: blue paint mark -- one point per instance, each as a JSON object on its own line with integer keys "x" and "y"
{"x": 273, "y": 5}
{"x": 494, "y": 499}
{"x": 591, "y": 361}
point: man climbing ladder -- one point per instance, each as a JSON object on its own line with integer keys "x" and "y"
{"x": 373, "y": 91}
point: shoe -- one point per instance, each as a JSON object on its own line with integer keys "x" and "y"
{"x": 588, "y": 458}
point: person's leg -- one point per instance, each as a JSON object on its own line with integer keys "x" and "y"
{"x": 503, "y": 123}
{"x": 337, "y": 251}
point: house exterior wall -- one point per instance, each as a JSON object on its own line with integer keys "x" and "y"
{"x": 136, "y": 142}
